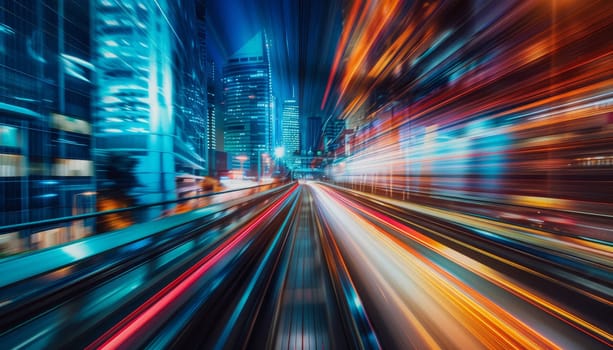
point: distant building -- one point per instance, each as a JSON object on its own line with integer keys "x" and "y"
{"x": 291, "y": 127}
{"x": 152, "y": 89}
{"x": 211, "y": 118}
{"x": 248, "y": 121}
{"x": 46, "y": 167}
{"x": 333, "y": 135}
{"x": 220, "y": 167}
{"x": 211, "y": 106}
{"x": 275, "y": 121}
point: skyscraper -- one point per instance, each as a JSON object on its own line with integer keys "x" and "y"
{"x": 189, "y": 86}
{"x": 211, "y": 105}
{"x": 332, "y": 134}
{"x": 151, "y": 89}
{"x": 291, "y": 127}
{"x": 212, "y": 86}
{"x": 248, "y": 98}
{"x": 46, "y": 167}
{"x": 275, "y": 122}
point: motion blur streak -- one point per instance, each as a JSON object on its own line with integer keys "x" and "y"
{"x": 502, "y": 109}
{"x": 489, "y": 327}
{"x": 338, "y": 267}
{"x": 481, "y": 270}
{"x": 426, "y": 303}
{"x": 161, "y": 305}
{"x": 341, "y": 45}
{"x": 269, "y": 256}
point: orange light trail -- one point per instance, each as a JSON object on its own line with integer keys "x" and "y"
{"x": 479, "y": 269}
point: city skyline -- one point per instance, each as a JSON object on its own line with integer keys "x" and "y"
{"x": 105, "y": 103}
{"x": 311, "y": 174}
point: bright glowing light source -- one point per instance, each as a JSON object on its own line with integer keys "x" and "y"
{"x": 109, "y": 54}
{"x": 113, "y": 130}
{"x": 77, "y": 251}
{"x": 111, "y": 43}
{"x": 280, "y": 152}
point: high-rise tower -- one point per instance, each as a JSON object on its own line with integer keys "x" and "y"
{"x": 211, "y": 104}
{"x": 291, "y": 127}
{"x": 151, "y": 83}
{"x": 46, "y": 167}
{"x": 248, "y": 111}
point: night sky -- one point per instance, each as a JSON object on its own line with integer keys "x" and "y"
{"x": 303, "y": 36}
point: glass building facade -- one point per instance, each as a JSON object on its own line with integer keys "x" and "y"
{"x": 46, "y": 167}
{"x": 190, "y": 86}
{"x": 211, "y": 105}
{"x": 151, "y": 100}
{"x": 333, "y": 134}
{"x": 248, "y": 105}
{"x": 291, "y": 127}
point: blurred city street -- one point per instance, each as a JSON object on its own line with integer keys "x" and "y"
{"x": 293, "y": 174}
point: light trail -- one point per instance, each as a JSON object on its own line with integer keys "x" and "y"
{"x": 395, "y": 268}
{"x": 414, "y": 284}
{"x": 483, "y": 271}
{"x": 160, "y": 306}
